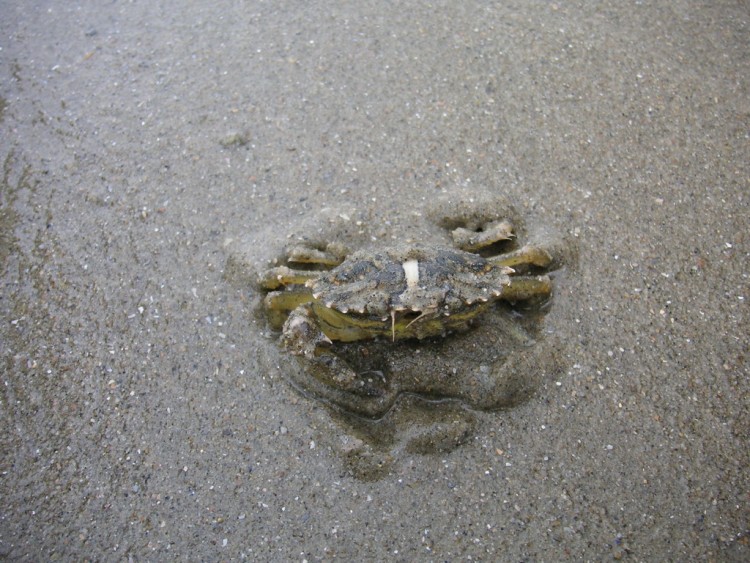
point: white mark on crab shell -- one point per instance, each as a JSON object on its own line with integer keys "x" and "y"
{"x": 411, "y": 271}
{"x": 295, "y": 323}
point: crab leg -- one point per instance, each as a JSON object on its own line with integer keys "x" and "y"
{"x": 333, "y": 255}
{"x": 287, "y": 300}
{"x": 279, "y": 303}
{"x": 471, "y": 240}
{"x": 527, "y": 287}
{"x": 282, "y": 276}
{"x": 529, "y": 255}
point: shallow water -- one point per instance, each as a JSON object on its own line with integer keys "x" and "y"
{"x": 146, "y": 409}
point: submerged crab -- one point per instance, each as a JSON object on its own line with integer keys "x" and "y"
{"x": 408, "y": 291}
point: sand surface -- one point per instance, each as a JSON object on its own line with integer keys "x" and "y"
{"x": 156, "y": 157}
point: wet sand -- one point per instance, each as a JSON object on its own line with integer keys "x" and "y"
{"x": 155, "y": 159}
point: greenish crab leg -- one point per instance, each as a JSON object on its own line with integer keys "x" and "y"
{"x": 288, "y": 299}
{"x": 278, "y": 304}
{"x": 527, "y": 287}
{"x": 529, "y": 255}
{"x": 282, "y": 276}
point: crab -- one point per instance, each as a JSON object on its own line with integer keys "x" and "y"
{"x": 393, "y": 294}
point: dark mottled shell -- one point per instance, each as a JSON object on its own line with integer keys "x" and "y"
{"x": 374, "y": 282}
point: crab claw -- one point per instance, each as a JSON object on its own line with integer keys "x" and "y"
{"x": 301, "y": 334}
